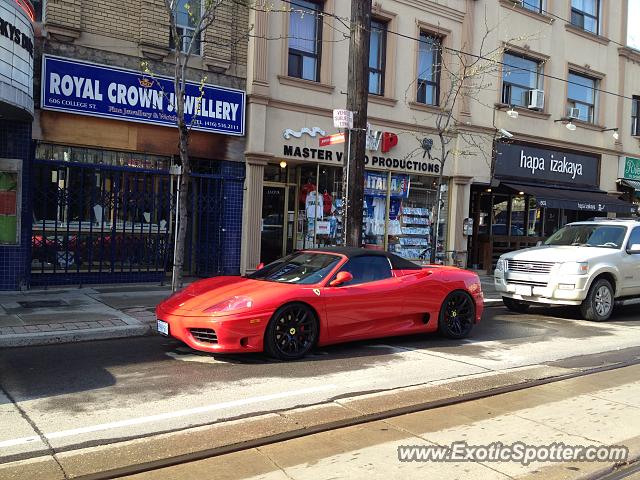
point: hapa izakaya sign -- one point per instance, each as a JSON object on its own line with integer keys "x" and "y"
{"x": 109, "y": 92}
{"x": 525, "y": 162}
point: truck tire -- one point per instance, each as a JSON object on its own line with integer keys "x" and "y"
{"x": 515, "y": 305}
{"x": 598, "y": 305}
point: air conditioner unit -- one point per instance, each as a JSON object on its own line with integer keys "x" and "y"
{"x": 573, "y": 112}
{"x": 535, "y": 99}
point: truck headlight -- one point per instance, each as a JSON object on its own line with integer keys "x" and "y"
{"x": 501, "y": 265}
{"x": 574, "y": 268}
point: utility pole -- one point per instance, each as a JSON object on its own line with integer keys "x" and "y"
{"x": 357, "y": 99}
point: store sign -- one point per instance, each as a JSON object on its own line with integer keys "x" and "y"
{"x": 16, "y": 56}
{"x": 109, "y": 92}
{"x": 374, "y": 161}
{"x": 312, "y": 132}
{"x": 331, "y": 139}
{"x": 629, "y": 168}
{"x": 524, "y": 162}
{"x": 377, "y": 137}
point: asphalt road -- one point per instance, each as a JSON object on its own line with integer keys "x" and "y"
{"x": 88, "y": 394}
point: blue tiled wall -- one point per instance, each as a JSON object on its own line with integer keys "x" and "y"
{"x": 15, "y": 142}
{"x": 233, "y": 191}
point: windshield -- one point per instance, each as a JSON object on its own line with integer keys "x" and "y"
{"x": 608, "y": 236}
{"x": 302, "y": 268}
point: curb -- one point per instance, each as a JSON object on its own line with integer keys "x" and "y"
{"x": 50, "y": 338}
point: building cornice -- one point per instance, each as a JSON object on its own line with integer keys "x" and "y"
{"x": 436, "y": 9}
{"x": 629, "y": 53}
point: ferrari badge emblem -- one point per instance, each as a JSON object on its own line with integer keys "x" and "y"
{"x": 316, "y": 291}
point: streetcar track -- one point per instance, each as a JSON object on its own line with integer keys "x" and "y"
{"x": 350, "y": 422}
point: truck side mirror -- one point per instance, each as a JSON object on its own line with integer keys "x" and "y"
{"x": 634, "y": 249}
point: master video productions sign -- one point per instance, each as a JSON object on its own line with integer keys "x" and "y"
{"x": 85, "y": 88}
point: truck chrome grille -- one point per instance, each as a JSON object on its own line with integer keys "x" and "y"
{"x": 527, "y": 282}
{"x": 525, "y": 266}
{"x": 205, "y": 335}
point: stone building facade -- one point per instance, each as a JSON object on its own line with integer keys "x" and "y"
{"x": 559, "y": 83}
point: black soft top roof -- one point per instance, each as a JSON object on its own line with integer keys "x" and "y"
{"x": 397, "y": 263}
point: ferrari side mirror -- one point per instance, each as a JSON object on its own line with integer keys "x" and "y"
{"x": 341, "y": 278}
{"x": 260, "y": 266}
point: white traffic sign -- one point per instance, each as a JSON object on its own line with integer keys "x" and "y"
{"x": 343, "y": 119}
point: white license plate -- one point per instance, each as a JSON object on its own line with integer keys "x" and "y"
{"x": 524, "y": 290}
{"x": 163, "y": 328}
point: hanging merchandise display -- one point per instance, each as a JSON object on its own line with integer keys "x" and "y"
{"x": 320, "y": 213}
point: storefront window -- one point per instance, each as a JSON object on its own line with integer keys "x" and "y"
{"x": 411, "y": 216}
{"x": 398, "y": 210}
{"x": 320, "y": 206}
{"x": 535, "y": 219}
{"x": 89, "y": 216}
{"x": 275, "y": 173}
{"x": 518, "y": 215}
{"x": 376, "y": 186}
{"x": 8, "y": 208}
{"x": 63, "y": 153}
{"x": 500, "y": 215}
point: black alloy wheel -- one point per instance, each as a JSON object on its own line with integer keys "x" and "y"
{"x": 457, "y": 315}
{"x": 292, "y": 332}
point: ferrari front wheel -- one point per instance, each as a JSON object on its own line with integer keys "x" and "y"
{"x": 292, "y": 332}
{"x": 457, "y": 315}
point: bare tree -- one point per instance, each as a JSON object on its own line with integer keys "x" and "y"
{"x": 463, "y": 75}
{"x": 185, "y": 43}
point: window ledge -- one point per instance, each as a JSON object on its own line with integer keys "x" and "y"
{"x": 423, "y": 107}
{"x": 381, "y": 100}
{"x": 525, "y": 112}
{"x": 585, "y": 34}
{"x": 516, "y": 6}
{"x": 308, "y": 84}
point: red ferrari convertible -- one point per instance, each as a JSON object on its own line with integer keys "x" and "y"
{"x": 320, "y": 297}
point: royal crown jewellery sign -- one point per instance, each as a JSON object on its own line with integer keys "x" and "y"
{"x": 109, "y": 92}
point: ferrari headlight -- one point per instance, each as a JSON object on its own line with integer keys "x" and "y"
{"x": 501, "y": 265}
{"x": 574, "y": 268}
{"x": 230, "y": 304}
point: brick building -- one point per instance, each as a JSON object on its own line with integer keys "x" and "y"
{"x": 101, "y": 201}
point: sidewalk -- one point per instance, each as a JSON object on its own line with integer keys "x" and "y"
{"x": 71, "y": 314}
{"x": 61, "y": 315}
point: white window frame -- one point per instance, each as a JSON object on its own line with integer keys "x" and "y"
{"x": 185, "y": 28}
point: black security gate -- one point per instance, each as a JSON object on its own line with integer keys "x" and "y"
{"x": 105, "y": 217}
{"x": 99, "y": 223}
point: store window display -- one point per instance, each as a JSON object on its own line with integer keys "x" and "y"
{"x": 412, "y": 216}
{"x": 399, "y": 211}
{"x": 320, "y": 207}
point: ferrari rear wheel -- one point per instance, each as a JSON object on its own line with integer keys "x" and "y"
{"x": 457, "y": 315}
{"x": 292, "y": 332}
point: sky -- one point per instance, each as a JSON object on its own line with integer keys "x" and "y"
{"x": 634, "y": 24}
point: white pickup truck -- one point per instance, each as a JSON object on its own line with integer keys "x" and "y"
{"x": 591, "y": 264}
